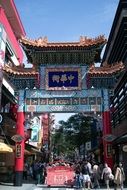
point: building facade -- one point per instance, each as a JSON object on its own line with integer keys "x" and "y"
{"x": 116, "y": 51}
{"x": 11, "y": 30}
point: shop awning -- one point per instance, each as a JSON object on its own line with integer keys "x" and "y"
{"x": 121, "y": 139}
{"x": 32, "y": 149}
{"x": 4, "y": 148}
{"x": 35, "y": 150}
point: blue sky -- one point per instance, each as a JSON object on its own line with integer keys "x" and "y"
{"x": 66, "y": 20}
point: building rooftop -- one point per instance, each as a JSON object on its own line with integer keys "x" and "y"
{"x": 83, "y": 42}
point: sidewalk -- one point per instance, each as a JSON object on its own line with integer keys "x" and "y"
{"x": 9, "y": 186}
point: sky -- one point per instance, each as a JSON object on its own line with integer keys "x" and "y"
{"x": 66, "y": 20}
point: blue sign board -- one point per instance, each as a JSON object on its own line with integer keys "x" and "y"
{"x": 63, "y": 79}
{"x": 90, "y": 100}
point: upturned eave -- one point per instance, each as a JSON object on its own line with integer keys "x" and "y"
{"x": 106, "y": 70}
{"x": 20, "y": 71}
{"x": 83, "y": 42}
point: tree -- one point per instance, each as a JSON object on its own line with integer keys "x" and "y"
{"x": 72, "y": 134}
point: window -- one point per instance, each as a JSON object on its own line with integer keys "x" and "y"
{"x": 115, "y": 100}
{"x": 120, "y": 91}
{"x": 121, "y": 98}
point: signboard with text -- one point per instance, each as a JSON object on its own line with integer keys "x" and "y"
{"x": 63, "y": 79}
{"x": 18, "y": 151}
{"x": 90, "y": 100}
{"x": 60, "y": 176}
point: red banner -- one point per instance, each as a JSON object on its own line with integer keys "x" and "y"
{"x": 60, "y": 176}
{"x": 45, "y": 124}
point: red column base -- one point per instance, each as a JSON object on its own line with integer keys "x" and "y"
{"x": 18, "y": 178}
{"x": 108, "y": 153}
{"x": 19, "y": 151}
{"x": 107, "y": 146}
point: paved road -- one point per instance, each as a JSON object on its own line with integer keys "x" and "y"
{"x": 62, "y": 188}
{"x": 38, "y": 187}
{"x": 9, "y": 186}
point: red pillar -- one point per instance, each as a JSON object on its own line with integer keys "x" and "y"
{"x": 107, "y": 146}
{"x": 19, "y": 152}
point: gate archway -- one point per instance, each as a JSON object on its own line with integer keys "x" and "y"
{"x": 61, "y": 82}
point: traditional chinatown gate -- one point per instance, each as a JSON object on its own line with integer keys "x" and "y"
{"x": 63, "y": 70}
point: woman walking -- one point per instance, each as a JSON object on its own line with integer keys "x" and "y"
{"x": 96, "y": 176}
{"x": 106, "y": 173}
{"x": 119, "y": 177}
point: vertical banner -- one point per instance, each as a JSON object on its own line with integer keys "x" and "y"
{"x": 18, "y": 152}
{"x": 2, "y": 55}
{"x": 45, "y": 124}
{"x": 109, "y": 150}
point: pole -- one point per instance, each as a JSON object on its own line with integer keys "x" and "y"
{"x": 19, "y": 149}
{"x": 107, "y": 146}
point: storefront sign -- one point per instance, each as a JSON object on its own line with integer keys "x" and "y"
{"x": 17, "y": 138}
{"x": 18, "y": 151}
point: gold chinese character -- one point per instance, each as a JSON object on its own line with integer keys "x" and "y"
{"x": 63, "y": 78}
{"x": 56, "y": 78}
{"x": 70, "y": 78}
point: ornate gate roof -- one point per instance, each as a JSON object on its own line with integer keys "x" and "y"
{"x": 96, "y": 71}
{"x": 41, "y": 52}
{"x": 86, "y": 51}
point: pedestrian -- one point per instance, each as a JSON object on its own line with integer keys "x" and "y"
{"x": 86, "y": 174}
{"x": 40, "y": 170}
{"x": 31, "y": 171}
{"x": 78, "y": 176}
{"x": 119, "y": 176}
{"x": 25, "y": 170}
{"x": 96, "y": 176}
{"x": 106, "y": 173}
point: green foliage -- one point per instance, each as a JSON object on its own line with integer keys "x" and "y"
{"x": 71, "y": 134}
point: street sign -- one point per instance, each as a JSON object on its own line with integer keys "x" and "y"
{"x": 109, "y": 137}
{"x": 17, "y": 138}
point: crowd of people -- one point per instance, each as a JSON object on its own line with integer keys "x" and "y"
{"x": 86, "y": 174}
{"x": 95, "y": 175}
{"x": 36, "y": 171}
